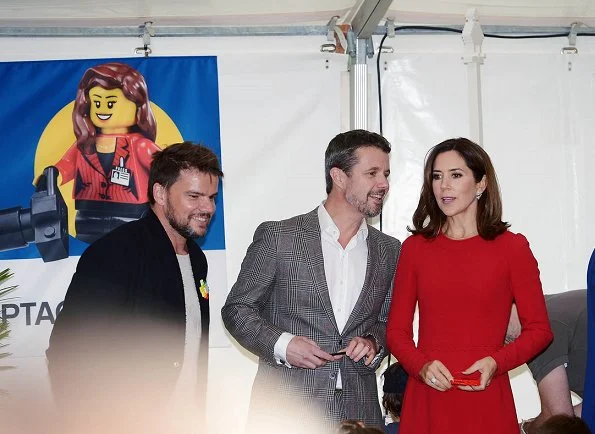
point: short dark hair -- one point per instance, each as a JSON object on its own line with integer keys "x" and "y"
{"x": 428, "y": 219}
{"x": 340, "y": 152}
{"x": 395, "y": 381}
{"x": 563, "y": 424}
{"x": 168, "y": 163}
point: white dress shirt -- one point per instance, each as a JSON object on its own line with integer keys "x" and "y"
{"x": 345, "y": 272}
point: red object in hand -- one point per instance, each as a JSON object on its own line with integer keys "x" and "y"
{"x": 465, "y": 382}
{"x": 460, "y": 379}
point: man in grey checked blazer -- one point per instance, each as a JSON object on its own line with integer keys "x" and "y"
{"x": 318, "y": 284}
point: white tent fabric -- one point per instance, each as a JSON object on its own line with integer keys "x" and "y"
{"x": 97, "y": 13}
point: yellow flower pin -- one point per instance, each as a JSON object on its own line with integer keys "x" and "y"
{"x": 204, "y": 289}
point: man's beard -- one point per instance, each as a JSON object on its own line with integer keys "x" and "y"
{"x": 363, "y": 207}
{"x": 185, "y": 229}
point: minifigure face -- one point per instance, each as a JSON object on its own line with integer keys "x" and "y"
{"x": 111, "y": 111}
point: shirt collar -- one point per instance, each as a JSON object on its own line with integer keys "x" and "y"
{"x": 327, "y": 225}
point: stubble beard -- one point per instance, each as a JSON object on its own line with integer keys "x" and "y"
{"x": 185, "y": 229}
{"x": 363, "y": 207}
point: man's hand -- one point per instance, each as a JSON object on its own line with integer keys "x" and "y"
{"x": 361, "y": 347}
{"x": 305, "y": 353}
{"x": 514, "y": 328}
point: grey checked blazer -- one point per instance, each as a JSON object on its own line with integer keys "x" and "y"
{"x": 282, "y": 288}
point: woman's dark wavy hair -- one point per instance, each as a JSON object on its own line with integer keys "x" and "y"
{"x": 111, "y": 76}
{"x": 428, "y": 219}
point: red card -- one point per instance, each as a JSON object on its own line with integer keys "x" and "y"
{"x": 465, "y": 382}
{"x": 460, "y": 379}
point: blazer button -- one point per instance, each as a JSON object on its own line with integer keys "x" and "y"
{"x": 333, "y": 376}
{"x": 340, "y": 341}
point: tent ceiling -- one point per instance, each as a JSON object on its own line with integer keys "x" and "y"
{"x": 98, "y": 13}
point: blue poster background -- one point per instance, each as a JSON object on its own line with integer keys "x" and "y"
{"x": 186, "y": 88}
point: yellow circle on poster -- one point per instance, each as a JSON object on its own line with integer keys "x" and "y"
{"x": 58, "y": 137}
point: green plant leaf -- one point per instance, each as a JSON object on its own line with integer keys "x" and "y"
{"x": 5, "y": 275}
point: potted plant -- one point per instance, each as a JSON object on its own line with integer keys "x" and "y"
{"x": 5, "y": 275}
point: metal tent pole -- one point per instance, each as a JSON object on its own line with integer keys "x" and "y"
{"x": 473, "y": 58}
{"x": 365, "y": 21}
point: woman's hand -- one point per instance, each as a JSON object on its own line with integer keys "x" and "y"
{"x": 487, "y": 367}
{"x": 436, "y": 375}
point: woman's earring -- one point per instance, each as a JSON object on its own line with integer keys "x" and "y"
{"x": 478, "y": 195}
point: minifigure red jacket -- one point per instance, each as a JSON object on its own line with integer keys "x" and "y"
{"x": 125, "y": 183}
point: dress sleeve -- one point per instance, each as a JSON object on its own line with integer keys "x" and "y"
{"x": 526, "y": 287}
{"x": 399, "y": 330}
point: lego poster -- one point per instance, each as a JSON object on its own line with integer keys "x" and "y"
{"x": 78, "y": 136}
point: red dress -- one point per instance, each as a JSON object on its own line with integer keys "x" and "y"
{"x": 465, "y": 289}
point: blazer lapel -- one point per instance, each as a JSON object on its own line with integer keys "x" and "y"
{"x": 122, "y": 150}
{"x": 93, "y": 161}
{"x": 315, "y": 262}
{"x": 359, "y": 310}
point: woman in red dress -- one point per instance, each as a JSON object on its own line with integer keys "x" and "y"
{"x": 463, "y": 269}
